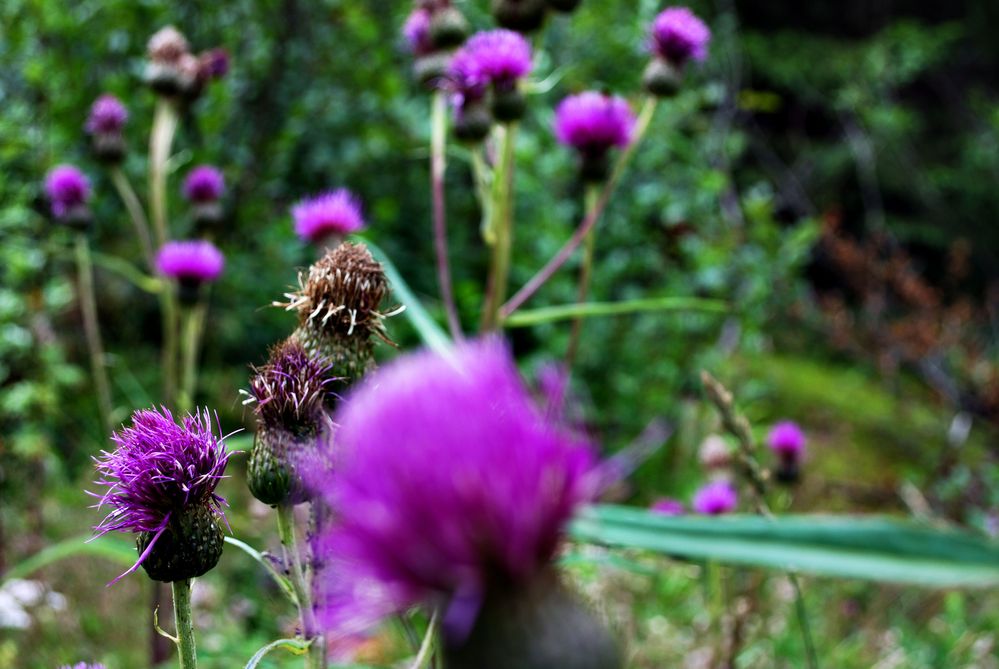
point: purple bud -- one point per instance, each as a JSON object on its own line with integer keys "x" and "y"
{"x": 67, "y": 188}
{"x": 107, "y": 115}
{"x": 336, "y": 212}
{"x": 715, "y": 498}
{"x": 203, "y": 184}
{"x": 195, "y": 261}
{"x": 668, "y": 506}
{"x": 678, "y": 35}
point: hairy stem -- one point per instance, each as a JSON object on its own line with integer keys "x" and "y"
{"x": 589, "y": 221}
{"x": 92, "y": 329}
{"x": 501, "y": 210}
{"x": 135, "y": 213}
{"x": 438, "y": 165}
{"x": 185, "y": 624}
{"x": 592, "y": 197}
{"x": 316, "y": 656}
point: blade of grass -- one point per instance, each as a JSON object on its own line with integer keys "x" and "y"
{"x": 564, "y": 312}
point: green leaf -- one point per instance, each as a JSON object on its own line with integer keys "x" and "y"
{"x": 525, "y": 318}
{"x": 278, "y": 577}
{"x": 294, "y": 646}
{"x": 107, "y": 547}
{"x": 871, "y": 548}
{"x": 428, "y": 329}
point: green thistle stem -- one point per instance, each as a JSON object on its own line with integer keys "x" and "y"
{"x": 501, "y": 209}
{"x": 135, "y": 213}
{"x": 592, "y": 198}
{"x": 315, "y": 657}
{"x": 438, "y": 165}
{"x": 185, "y": 624}
{"x": 92, "y": 329}
{"x": 193, "y": 326}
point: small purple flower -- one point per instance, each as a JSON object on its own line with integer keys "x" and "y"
{"x": 668, "y": 506}
{"x": 678, "y": 35}
{"x": 786, "y": 439}
{"x": 416, "y": 31}
{"x": 204, "y": 184}
{"x": 67, "y": 188}
{"x": 195, "y": 261}
{"x": 107, "y": 116}
{"x": 337, "y": 212}
{"x": 158, "y": 471}
{"x": 213, "y": 64}
{"x": 497, "y": 57}
{"x": 448, "y": 479}
{"x": 593, "y": 122}
{"x": 715, "y": 498}
{"x": 83, "y": 665}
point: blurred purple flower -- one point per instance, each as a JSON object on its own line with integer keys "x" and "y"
{"x": 158, "y": 470}
{"x": 715, "y": 498}
{"x": 195, "y": 260}
{"x": 107, "y": 115}
{"x": 83, "y": 665}
{"x": 204, "y": 183}
{"x": 678, "y": 35}
{"x": 497, "y": 57}
{"x": 213, "y": 64}
{"x": 416, "y": 31}
{"x": 786, "y": 439}
{"x": 668, "y": 506}
{"x": 337, "y": 212}
{"x": 448, "y": 479}
{"x": 67, "y": 187}
{"x": 593, "y": 122}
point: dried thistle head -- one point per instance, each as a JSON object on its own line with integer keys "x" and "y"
{"x": 167, "y": 45}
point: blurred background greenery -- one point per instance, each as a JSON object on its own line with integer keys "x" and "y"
{"x": 830, "y": 172}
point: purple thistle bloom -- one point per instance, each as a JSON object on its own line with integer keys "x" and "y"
{"x": 67, "y": 187}
{"x": 715, "y": 498}
{"x": 159, "y": 470}
{"x": 337, "y": 212}
{"x": 203, "y": 184}
{"x": 678, "y": 35}
{"x": 786, "y": 439}
{"x": 416, "y": 31}
{"x": 83, "y": 665}
{"x": 448, "y": 479}
{"x": 498, "y": 57}
{"x": 290, "y": 391}
{"x": 194, "y": 261}
{"x": 107, "y": 115}
{"x": 593, "y": 122}
{"x": 668, "y": 506}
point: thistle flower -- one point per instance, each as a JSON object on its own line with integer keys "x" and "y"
{"x": 715, "y": 498}
{"x": 83, "y": 665}
{"x": 593, "y": 123}
{"x": 472, "y": 118}
{"x": 290, "y": 395}
{"x": 161, "y": 480}
{"x": 204, "y": 183}
{"x": 524, "y": 16}
{"x": 107, "y": 115}
{"x": 678, "y": 36}
{"x": 191, "y": 263}
{"x": 453, "y": 488}
{"x": 167, "y": 45}
{"x": 68, "y": 190}
{"x": 328, "y": 217}
{"x": 787, "y": 441}
{"x": 416, "y": 31}
{"x": 498, "y": 59}
{"x": 668, "y": 506}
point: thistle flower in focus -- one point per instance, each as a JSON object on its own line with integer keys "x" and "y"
{"x": 338, "y": 303}
{"x": 203, "y": 188}
{"x": 327, "y": 218}
{"x": 524, "y": 16}
{"x": 678, "y": 36}
{"x": 161, "y": 480}
{"x": 787, "y": 441}
{"x": 453, "y": 489}
{"x": 289, "y": 396}
{"x": 593, "y": 123}
{"x": 104, "y": 124}
{"x": 68, "y": 191}
{"x": 191, "y": 264}
{"x": 498, "y": 59}
{"x": 715, "y": 498}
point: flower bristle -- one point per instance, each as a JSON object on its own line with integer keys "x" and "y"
{"x": 292, "y": 389}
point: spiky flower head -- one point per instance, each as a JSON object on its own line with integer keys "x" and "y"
{"x": 68, "y": 189}
{"x": 678, "y": 36}
{"x": 160, "y": 484}
{"x": 107, "y": 116}
{"x": 449, "y": 480}
{"x": 336, "y": 213}
{"x": 291, "y": 390}
{"x": 715, "y": 498}
{"x": 786, "y": 439}
{"x": 191, "y": 261}
{"x": 668, "y": 506}
{"x": 204, "y": 184}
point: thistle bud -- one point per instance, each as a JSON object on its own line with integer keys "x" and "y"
{"x": 540, "y": 626}
{"x": 191, "y": 264}
{"x": 524, "y": 16}
{"x": 472, "y": 122}
{"x": 662, "y": 78}
{"x": 190, "y": 547}
{"x": 431, "y": 69}
{"x": 105, "y": 123}
{"x": 337, "y": 304}
{"x": 787, "y": 441}
{"x": 68, "y": 191}
{"x": 564, "y": 6}
{"x": 448, "y": 28}
{"x": 508, "y": 105}
{"x": 203, "y": 188}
